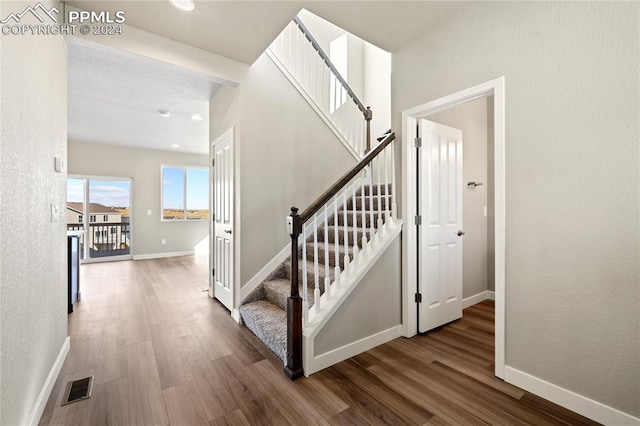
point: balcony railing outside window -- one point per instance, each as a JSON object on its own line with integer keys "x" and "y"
{"x": 108, "y": 239}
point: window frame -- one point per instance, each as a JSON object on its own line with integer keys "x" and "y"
{"x": 185, "y": 169}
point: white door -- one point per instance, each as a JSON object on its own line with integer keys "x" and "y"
{"x": 440, "y": 234}
{"x": 223, "y": 206}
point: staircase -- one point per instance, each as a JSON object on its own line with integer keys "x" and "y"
{"x": 337, "y": 239}
{"x": 264, "y": 310}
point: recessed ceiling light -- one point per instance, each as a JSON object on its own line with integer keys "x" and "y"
{"x": 186, "y": 5}
{"x": 196, "y": 117}
{"x": 175, "y": 145}
{"x": 164, "y": 114}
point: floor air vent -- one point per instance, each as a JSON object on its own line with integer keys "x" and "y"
{"x": 78, "y": 390}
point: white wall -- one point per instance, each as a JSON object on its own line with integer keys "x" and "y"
{"x": 33, "y": 274}
{"x": 377, "y": 87}
{"x": 471, "y": 118}
{"x": 143, "y": 166}
{"x": 374, "y": 306}
{"x": 572, "y": 177}
{"x": 288, "y": 157}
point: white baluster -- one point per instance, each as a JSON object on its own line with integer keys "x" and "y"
{"x": 371, "y": 209}
{"x": 354, "y": 211}
{"x": 336, "y": 236}
{"x": 365, "y": 235}
{"x": 381, "y": 207}
{"x": 327, "y": 266}
{"x": 345, "y": 230}
{"x": 316, "y": 274}
{"x": 387, "y": 210}
{"x": 305, "y": 292}
{"x": 394, "y": 207}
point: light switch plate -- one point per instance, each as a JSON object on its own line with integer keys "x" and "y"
{"x": 60, "y": 165}
{"x": 54, "y": 213}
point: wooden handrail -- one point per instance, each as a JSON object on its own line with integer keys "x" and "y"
{"x": 329, "y": 193}
{"x": 293, "y": 368}
{"x": 327, "y": 61}
{"x": 366, "y": 111}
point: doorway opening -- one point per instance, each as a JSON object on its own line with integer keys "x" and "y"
{"x": 446, "y": 151}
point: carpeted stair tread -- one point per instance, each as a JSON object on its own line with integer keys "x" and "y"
{"x": 374, "y": 203}
{"x": 310, "y": 274}
{"x": 322, "y": 256}
{"x": 332, "y": 234}
{"x": 278, "y": 291}
{"x": 269, "y": 323}
{"x": 263, "y": 311}
{"x": 384, "y": 189}
{"x": 359, "y": 219}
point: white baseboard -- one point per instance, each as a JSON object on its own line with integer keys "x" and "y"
{"x": 317, "y": 363}
{"x": 161, "y": 255}
{"x": 235, "y": 314}
{"x": 580, "y": 404}
{"x": 41, "y": 402}
{"x": 477, "y": 298}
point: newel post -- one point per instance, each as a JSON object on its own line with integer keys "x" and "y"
{"x": 368, "y": 115}
{"x": 293, "y": 369}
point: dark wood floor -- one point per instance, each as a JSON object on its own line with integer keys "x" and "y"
{"x": 162, "y": 353}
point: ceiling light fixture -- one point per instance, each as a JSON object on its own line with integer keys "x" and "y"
{"x": 175, "y": 145}
{"x": 186, "y": 5}
{"x": 196, "y": 117}
{"x": 164, "y": 114}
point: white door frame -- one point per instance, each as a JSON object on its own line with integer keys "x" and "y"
{"x": 409, "y": 263}
{"x": 235, "y": 288}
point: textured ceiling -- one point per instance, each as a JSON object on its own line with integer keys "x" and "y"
{"x": 242, "y": 30}
{"x": 115, "y": 96}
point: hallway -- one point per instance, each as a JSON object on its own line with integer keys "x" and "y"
{"x": 162, "y": 352}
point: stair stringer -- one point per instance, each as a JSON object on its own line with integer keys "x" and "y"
{"x": 317, "y": 320}
{"x": 312, "y": 103}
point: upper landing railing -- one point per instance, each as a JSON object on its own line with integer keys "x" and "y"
{"x": 310, "y": 66}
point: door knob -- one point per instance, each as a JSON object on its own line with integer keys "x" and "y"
{"x": 228, "y": 231}
{"x": 460, "y": 233}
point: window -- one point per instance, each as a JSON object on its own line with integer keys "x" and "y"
{"x": 185, "y": 193}
{"x": 105, "y": 218}
{"x": 114, "y": 230}
{"x": 92, "y": 218}
{"x": 79, "y": 218}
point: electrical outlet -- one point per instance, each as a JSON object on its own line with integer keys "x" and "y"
{"x": 163, "y": 241}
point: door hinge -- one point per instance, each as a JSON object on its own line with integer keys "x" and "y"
{"x": 418, "y": 220}
{"x": 213, "y": 272}
{"x": 213, "y": 162}
{"x": 418, "y": 142}
{"x": 418, "y": 297}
